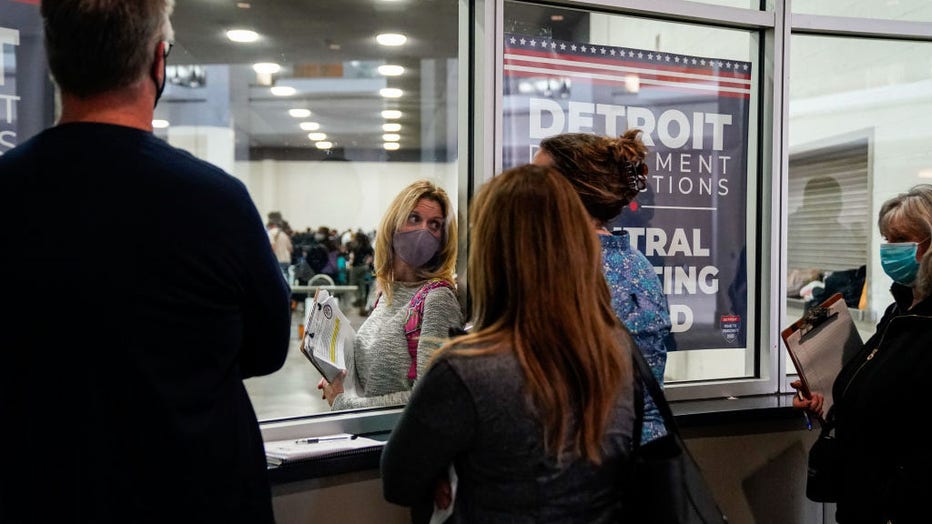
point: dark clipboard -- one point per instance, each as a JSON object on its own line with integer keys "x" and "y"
{"x": 820, "y": 343}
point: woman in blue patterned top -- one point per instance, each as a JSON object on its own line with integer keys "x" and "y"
{"x": 608, "y": 173}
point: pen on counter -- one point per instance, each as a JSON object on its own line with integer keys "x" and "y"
{"x": 315, "y": 440}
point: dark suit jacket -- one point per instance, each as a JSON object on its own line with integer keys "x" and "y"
{"x": 140, "y": 289}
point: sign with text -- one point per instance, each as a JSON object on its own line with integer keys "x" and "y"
{"x": 690, "y": 221}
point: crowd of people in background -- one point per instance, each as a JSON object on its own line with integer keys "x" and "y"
{"x": 345, "y": 256}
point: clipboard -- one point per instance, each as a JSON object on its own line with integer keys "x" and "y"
{"x": 820, "y": 343}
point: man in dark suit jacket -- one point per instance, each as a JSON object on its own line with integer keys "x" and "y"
{"x": 124, "y": 401}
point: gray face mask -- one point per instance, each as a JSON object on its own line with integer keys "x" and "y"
{"x": 416, "y": 247}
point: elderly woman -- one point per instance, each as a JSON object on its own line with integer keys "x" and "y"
{"x": 885, "y": 460}
{"x": 415, "y": 257}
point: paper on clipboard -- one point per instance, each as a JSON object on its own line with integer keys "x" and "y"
{"x": 328, "y": 336}
{"x": 820, "y": 343}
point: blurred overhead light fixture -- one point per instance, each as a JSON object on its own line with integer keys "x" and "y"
{"x": 309, "y": 126}
{"x": 316, "y": 137}
{"x": 391, "y": 146}
{"x": 391, "y": 92}
{"x": 299, "y": 113}
{"x": 283, "y": 90}
{"x": 556, "y": 18}
{"x": 391, "y": 137}
{"x": 266, "y": 68}
{"x": 158, "y": 123}
{"x": 925, "y": 173}
{"x": 391, "y": 113}
{"x": 242, "y": 35}
{"x": 324, "y": 145}
{"x": 391, "y": 128}
{"x": 391, "y": 70}
{"x": 391, "y": 39}
{"x": 243, "y": 5}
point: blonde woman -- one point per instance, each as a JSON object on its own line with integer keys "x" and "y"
{"x": 415, "y": 257}
{"x": 535, "y": 406}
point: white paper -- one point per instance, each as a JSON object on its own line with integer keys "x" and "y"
{"x": 440, "y": 515}
{"x": 328, "y": 339}
{"x": 281, "y": 451}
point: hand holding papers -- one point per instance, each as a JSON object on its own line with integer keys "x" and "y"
{"x": 328, "y": 337}
{"x": 820, "y": 343}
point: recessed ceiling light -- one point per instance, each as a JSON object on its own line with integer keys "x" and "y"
{"x": 391, "y": 128}
{"x": 556, "y": 18}
{"x": 324, "y": 145}
{"x": 159, "y": 123}
{"x": 391, "y": 137}
{"x": 391, "y": 146}
{"x": 283, "y": 90}
{"x": 391, "y": 92}
{"x": 391, "y": 113}
{"x": 309, "y": 126}
{"x": 299, "y": 113}
{"x": 267, "y": 68}
{"x": 243, "y": 5}
{"x": 242, "y": 35}
{"x": 391, "y": 70}
{"x": 317, "y": 136}
{"x": 391, "y": 39}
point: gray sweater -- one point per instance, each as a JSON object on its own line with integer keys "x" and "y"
{"x": 381, "y": 356}
{"x": 472, "y": 411}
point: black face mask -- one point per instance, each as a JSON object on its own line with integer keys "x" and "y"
{"x": 160, "y": 88}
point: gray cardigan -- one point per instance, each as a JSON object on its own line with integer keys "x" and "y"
{"x": 381, "y": 356}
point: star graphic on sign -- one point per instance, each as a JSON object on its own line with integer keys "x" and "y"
{"x": 667, "y": 58}
{"x": 592, "y": 50}
{"x": 649, "y": 57}
{"x": 745, "y": 67}
{"x": 562, "y": 46}
{"x": 676, "y": 59}
{"x": 553, "y": 45}
{"x": 583, "y": 49}
{"x": 514, "y": 40}
{"x": 702, "y": 61}
{"x": 573, "y": 47}
{"x": 612, "y": 52}
{"x": 640, "y": 55}
{"x": 694, "y": 61}
{"x": 727, "y": 65}
{"x": 631, "y": 54}
{"x": 533, "y": 43}
{"x": 523, "y": 41}
{"x": 603, "y": 51}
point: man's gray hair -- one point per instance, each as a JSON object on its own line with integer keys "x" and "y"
{"x": 95, "y": 46}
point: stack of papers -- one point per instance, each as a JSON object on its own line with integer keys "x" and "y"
{"x": 328, "y": 337}
{"x": 283, "y": 451}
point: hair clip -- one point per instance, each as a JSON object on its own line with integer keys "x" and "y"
{"x": 636, "y": 173}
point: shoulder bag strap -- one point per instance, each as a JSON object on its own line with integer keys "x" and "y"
{"x": 656, "y": 393}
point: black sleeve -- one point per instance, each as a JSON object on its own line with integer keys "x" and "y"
{"x": 437, "y": 424}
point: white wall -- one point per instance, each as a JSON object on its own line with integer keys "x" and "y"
{"x": 340, "y": 195}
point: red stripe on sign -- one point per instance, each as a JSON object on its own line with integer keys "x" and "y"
{"x": 33, "y": 2}
{"x": 710, "y": 88}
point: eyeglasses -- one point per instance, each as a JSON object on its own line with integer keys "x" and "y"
{"x": 167, "y": 47}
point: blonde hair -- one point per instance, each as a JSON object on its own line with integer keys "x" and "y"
{"x": 528, "y": 230}
{"x": 910, "y": 213}
{"x": 443, "y": 264}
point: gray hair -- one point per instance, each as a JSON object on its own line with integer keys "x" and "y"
{"x": 95, "y": 46}
{"x": 910, "y": 213}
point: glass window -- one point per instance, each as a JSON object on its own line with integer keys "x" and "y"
{"x": 859, "y": 129}
{"x": 906, "y": 10}
{"x": 693, "y": 91}
{"x": 323, "y": 124}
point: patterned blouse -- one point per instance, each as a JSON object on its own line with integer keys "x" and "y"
{"x": 638, "y": 300}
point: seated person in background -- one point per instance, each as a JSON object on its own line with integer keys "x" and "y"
{"x": 415, "y": 257}
{"x": 534, "y": 407}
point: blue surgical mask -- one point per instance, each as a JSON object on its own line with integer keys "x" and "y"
{"x": 416, "y": 247}
{"x": 899, "y": 261}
